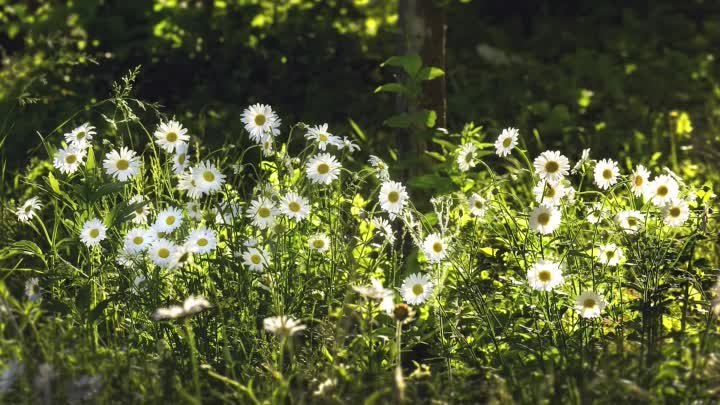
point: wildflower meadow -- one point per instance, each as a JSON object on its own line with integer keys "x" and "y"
{"x": 299, "y": 262}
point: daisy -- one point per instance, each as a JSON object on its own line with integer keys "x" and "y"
{"x": 434, "y": 248}
{"x": 283, "y": 326}
{"x": 549, "y": 192}
{"x": 122, "y": 165}
{"x": 545, "y": 219}
{"x": 319, "y": 242}
{"x": 350, "y": 145}
{"x": 93, "y": 231}
{"x": 126, "y": 260}
{"x": 639, "y": 180}
{"x": 595, "y": 213}
{"x": 630, "y": 221}
{"x": 68, "y": 160}
{"x": 81, "y": 136}
{"x": 610, "y": 254}
{"x": 403, "y": 313}
{"x": 551, "y": 165}
{"x": 416, "y": 289}
{"x": 171, "y": 135}
{"x": 545, "y": 276}
{"x": 294, "y": 206}
{"x": 201, "y": 241}
{"x": 506, "y": 141}
{"x": 676, "y": 212}
{"x": 466, "y": 157}
{"x": 384, "y": 229}
{"x": 141, "y": 213}
{"x": 192, "y": 305}
{"x": 180, "y": 159}
{"x": 606, "y": 173}
{"x": 32, "y": 289}
{"x": 168, "y": 220}
{"x": 256, "y": 258}
{"x": 323, "y": 169}
{"x": 375, "y": 291}
{"x": 162, "y": 252}
{"x": 27, "y": 211}
{"x": 262, "y": 212}
{"x": 477, "y": 205}
{"x": 207, "y": 177}
{"x": 661, "y": 190}
{"x": 187, "y": 183}
{"x": 321, "y": 135}
{"x": 267, "y": 148}
{"x": 138, "y": 240}
{"x": 380, "y": 166}
{"x": 393, "y": 197}
{"x": 589, "y": 304}
{"x": 260, "y": 122}
{"x": 584, "y": 158}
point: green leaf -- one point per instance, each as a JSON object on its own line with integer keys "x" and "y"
{"x": 357, "y": 129}
{"x": 430, "y": 73}
{"x": 22, "y": 247}
{"x": 98, "y": 310}
{"x": 410, "y": 63}
{"x": 54, "y": 185}
{"x": 391, "y": 88}
{"x": 90, "y": 163}
{"x": 422, "y": 118}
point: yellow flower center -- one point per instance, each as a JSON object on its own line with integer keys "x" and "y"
{"x": 122, "y": 164}
{"x": 70, "y": 159}
{"x": 318, "y": 244}
{"x": 94, "y": 233}
{"x": 164, "y": 253}
{"x": 294, "y": 206}
{"x": 323, "y": 168}
{"x": 437, "y": 247}
{"x": 544, "y": 276}
{"x": 550, "y": 192}
{"x": 181, "y": 158}
{"x": 589, "y": 303}
{"x": 264, "y": 212}
{"x": 632, "y": 221}
{"x": 607, "y": 174}
{"x": 140, "y": 210}
{"x": 202, "y": 242}
{"x": 543, "y": 218}
{"x": 610, "y": 254}
{"x": 418, "y": 289}
{"x": 260, "y": 120}
{"x": 662, "y": 191}
{"x": 552, "y": 166}
{"x": 639, "y": 181}
{"x": 80, "y": 135}
{"x": 208, "y": 176}
{"x": 323, "y": 137}
{"x": 170, "y": 220}
{"x": 171, "y": 137}
{"x": 478, "y": 204}
{"x": 255, "y": 259}
{"x": 393, "y": 196}
{"x": 506, "y": 142}
{"x": 138, "y": 240}
{"x": 675, "y": 211}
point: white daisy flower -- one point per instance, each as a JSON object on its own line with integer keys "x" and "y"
{"x": 375, "y": 291}
{"x": 207, "y": 177}
{"x": 393, "y": 197}
{"x": 323, "y": 169}
{"x": 141, "y": 213}
{"x": 162, "y": 253}
{"x": 384, "y": 229}
{"x": 256, "y": 258}
{"x": 28, "y": 210}
{"x": 549, "y": 192}
{"x": 226, "y": 213}
{"x": 551, "y": 165}
{"x": 589, "y": 304}
{"x": 192, "y": 305}
{"x": 138, "y": 240}
{"x": 661, "y": 190}
{"x": 466, "y": 157}
{"x": 295, "y": 206}
{"x": 416, "y": 289}
{"x": 506, "y": 141}
{"x": 630, "y": 221}
{"x": 260, "y": 122}
{"x": 194, "y": 210}
{"x": 262, "y": 212}
{"x": 350, "y": 145}
{"x": 69, "y": 160}
{"x": 283, "y": 326}
{"x": 32, "y": 289}
{"x": 267, "y": 148}
{"x": 434, "y": 248}
{"x": 168, "y": 220}
{"x": 93, "y": 231}
{"x": 606, "y": 173}
{"x": 676, "y": 212}
{"x": 545, "y": 219}
{"x": 610, "y": 254}
{"x": 126, "y": 260}
{"x": 584, "y": 158}
{"x": 122, "y": 165}
{"x": 187, "y": 183}
{"x": 545, "y": 276}
{"x": 180, "y": 159}
{"x": 380, "y": 166}
{"x": 319, "y": 242}
{"x": 171, "y": 135}
{"x": 81, "y": 136}
{"x": 595, "y": 213}
{"x": 477, "y": 204}
{"x": 201, "y": 241}
{"x": 639, "y": 180}
{"x": 323, "y": 138}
